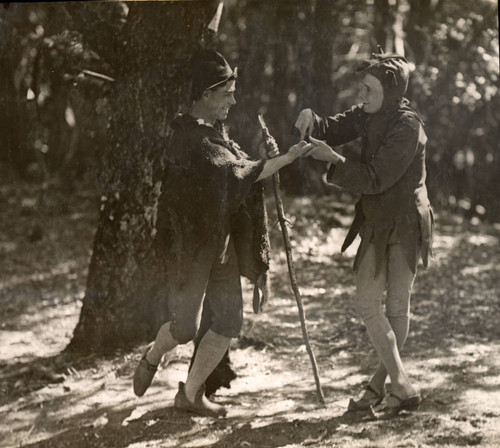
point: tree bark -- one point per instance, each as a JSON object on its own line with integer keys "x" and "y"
{"x": 419, "y": 17}
{"x": 325, "y": 22}
{"x": 382, "y": 21}
{"x": 13, "y": 128}
{"x": 152, "y": 80}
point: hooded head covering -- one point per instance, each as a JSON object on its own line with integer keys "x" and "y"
{"x": 392, "y": 71}
{"x": 210, "y": 69}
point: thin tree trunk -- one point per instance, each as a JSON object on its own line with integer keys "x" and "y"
{"x": 325, "y": 22}
{"x": 389, "y": 25}
{"x": 418, "y": 38}
{"x": 398, "y": 27}
{"x": 382, "y": 24}
{"x": 13, "y": 128}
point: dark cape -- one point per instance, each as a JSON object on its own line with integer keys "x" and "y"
{"x": 210, "y": 190}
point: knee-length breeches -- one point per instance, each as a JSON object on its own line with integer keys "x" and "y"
{"x": 211, "y": 282}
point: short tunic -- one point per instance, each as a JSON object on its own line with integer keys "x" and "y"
{"x": 390, "y": 176}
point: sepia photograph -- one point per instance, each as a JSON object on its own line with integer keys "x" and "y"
{"x": 250, "y": 224}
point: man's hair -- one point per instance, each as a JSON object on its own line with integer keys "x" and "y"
{"x": 196, "y": 94}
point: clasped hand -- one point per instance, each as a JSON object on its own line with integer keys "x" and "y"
{"x": 317, "y": 149}
{"x": 269, "y": 149}
{"x": 300, "y": 149}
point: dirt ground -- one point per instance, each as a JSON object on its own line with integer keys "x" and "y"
{"x": 452, "y": 353}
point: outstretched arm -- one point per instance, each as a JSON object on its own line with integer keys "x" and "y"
{"x": 273, "y": 165}
{"x": 335, "y": 130}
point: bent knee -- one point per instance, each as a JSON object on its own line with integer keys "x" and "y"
{"x": 183, "y": 332}
{"x": 229, "y": 329}
{"x": 367, "y": 306}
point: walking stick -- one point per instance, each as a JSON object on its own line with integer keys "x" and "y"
{"x": 289, "y": 258}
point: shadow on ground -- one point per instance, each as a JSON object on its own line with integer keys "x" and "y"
{"x": 48, "y": 400}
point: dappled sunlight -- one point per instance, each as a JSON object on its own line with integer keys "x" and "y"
{"x": 64, "y": 269}
{"x": 32, "y": 338}
{"x": 75, "y": 138}
{"x": 480, "y": 269}
{"x": 90, "y": 398}
{"x": 451, "y": 353}
{"x": 483, "y": 240}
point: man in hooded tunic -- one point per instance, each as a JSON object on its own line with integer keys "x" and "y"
{"x": 393, "y": 216}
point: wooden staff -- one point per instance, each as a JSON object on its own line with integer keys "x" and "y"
{"x": 289, "y": 258}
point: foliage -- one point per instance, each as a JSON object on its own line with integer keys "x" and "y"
{"x": 292, "y": 54}
{"x": 60, "y": 101}
{"x": 455, "y": 85}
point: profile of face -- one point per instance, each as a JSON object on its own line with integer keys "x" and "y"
{"x": 371, "y": 94}
{"x": 219, "y": 100}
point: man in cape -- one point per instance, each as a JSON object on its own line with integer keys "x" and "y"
{"x": 211, "y": 229}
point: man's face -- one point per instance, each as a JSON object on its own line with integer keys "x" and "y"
{"x": 371, "y": 94}
{"x": 219, "y": 100}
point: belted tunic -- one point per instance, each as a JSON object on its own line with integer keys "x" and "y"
{"x": 390, "y": 177}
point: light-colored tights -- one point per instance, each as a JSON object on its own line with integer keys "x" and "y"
{"x": 387, "y": 332}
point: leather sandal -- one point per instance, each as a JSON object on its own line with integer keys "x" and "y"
{"x": 363, "y": 404}
{"x": 143, "y": 375}
{"x": 403, "y": 404}
{"x": 201, "y": 405}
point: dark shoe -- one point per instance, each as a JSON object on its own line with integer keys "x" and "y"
{"x": 403, "y": 404}
{"x": 201, "y": 405}
{"x": 364, "y": 403}
{"x": 143, "y": 375}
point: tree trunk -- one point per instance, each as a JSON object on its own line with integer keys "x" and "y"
{"x": 389, "y": 20}
{"x": 152, "y": 79}
{"x": 13, "y": 126}
{"x": 419, "y": 17}
{"x": 382, "y": 23}
{"x": 398, "y": 27}
{"x": 254, "y": 82}
{"x": 325, "y": 23}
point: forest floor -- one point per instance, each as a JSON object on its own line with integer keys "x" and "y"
{"x": 452, "y": 353}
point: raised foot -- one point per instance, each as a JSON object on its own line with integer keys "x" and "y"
{"x": 143, "y": 375}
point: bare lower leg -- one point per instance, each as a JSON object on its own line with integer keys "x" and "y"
{"x": 164, "y": 343}
{"x": 210, "y": 351}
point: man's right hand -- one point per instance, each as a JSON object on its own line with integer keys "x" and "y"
{"x": 268, "y": 149}
{"x": 305, "y": 123}
{"x": 299, "y": 149}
